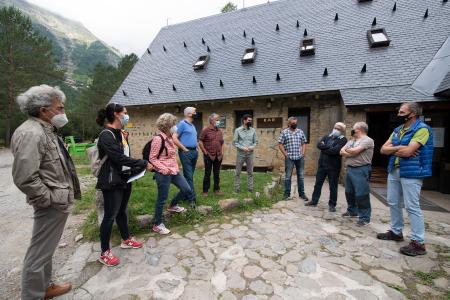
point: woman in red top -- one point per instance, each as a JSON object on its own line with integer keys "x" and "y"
{"x": 167, "y": 171}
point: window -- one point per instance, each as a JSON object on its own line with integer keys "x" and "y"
{"x": 302, "y": 115}
{"x": 239, "y": 114}
{"x": 307, "y": 47}
{"x": 249, "y": 56}
{"x": 378, "y": 38}
{"x": 201, "y": 62}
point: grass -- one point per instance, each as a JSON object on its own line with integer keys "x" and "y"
{"x": 80, "y": 159}
{"x": 427, "y": 278}
{"x": 143, "y": 198}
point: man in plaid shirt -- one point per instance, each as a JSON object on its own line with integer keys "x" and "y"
{"x": 292, "y": 144}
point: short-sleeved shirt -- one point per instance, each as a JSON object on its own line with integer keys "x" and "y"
{"x": 421, "y": 136}
{"x": 212, "y": 139}
{"x": 364, "y": 157}
{"x": 292, "y": 142}
{"x": 187, "y": 134}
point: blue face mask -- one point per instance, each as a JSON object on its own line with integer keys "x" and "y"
{"x": 124, "y": 120}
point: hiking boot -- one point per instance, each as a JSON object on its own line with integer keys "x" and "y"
{"x": 304, "y": 197}
{"x": 331, "y": 209}
{"x": 362, "y": 223}
{"x": 55, "y": 290}
{"x": 349, "y": 215}
{"x": 176, "y": 209}
{"x": 131, "y": 243}
{"x": 161, "y": 229}
{"x": 311, "y": 204}
{"x": 413, "y": 249}
{"x": 108, "y": 259}
{"x": 390, "y": 236}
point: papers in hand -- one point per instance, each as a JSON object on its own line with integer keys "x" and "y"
{"x": 136, "y": 177}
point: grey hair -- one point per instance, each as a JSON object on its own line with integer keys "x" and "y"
{"x": 362, "y": 125}
{"x": 39, "y": 96}
{"x": 290, "y": 119}
{"x": 189, "y": 110}
{"x": 413, "y": 107}
{"x": 212, "y": 116}
{"x": 165, "y": 122}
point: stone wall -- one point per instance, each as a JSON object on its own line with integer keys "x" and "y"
{"x": 325, "y": 110}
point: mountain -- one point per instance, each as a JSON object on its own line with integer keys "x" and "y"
{"x": 75, "y": 47}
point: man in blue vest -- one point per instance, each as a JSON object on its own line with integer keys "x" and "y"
{"x": 410, "y": 148}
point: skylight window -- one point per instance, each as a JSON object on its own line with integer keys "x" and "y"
{"x": 378, "y": 38}
{"x": 307, "y": 47}
{"x": 249, "y": 56}
{"x": 201, "y": 62}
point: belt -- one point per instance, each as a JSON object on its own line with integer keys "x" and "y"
{"x": 191, "y": 148}
{"x": 358, "y": 166}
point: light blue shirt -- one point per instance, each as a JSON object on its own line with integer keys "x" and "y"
{"x": 187, "y": 134}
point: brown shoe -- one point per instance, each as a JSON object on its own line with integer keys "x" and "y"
{"x": 219, "y": 193}
{"x": 55, "y": 290}
{"x": 205, "y": 194}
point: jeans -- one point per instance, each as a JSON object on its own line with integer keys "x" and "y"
{"x": 405, "y": 192}
{"x": 215, "y": 165}
{"x": 116, "y": 209}
{"x": 188, "y": 161}
{"x": 357, "y": 192}
{"x": 333, "y": 178}
{"x": 289, "y": 165}
{"x": 240, "y": 160}
{"x": 163, "y": 182}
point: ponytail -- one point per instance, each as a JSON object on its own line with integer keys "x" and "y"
{"x": 101, "y": 116}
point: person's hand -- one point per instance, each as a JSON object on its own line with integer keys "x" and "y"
{"x": 245, "y": 149}
{"x": 185, "y": 150}
{"x": 149, "y": 167}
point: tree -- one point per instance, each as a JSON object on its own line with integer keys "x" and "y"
{"x": 26, "y": 59}
{"x": 230, "y": 6}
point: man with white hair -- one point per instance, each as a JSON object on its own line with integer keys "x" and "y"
{"x": 185, "y": 139}
{"x": 45, "y": 173}
{"x": 358, "y": 153}
{"x": 329, "y": 165}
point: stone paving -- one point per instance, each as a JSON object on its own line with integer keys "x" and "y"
{"x": 286, "y": 252}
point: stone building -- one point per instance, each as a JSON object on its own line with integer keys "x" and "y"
{"x": 323, "y": 61}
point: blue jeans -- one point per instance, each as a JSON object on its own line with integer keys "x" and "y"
{"x": 289, "y": 165}
{"x": 405, "y": 192}
{"x": 357, "y": 192}
{"x": 163, "y": 182}
{"x": 188, "y": 161}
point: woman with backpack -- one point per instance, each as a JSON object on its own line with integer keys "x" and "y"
{"x": 163, "y": 158}
{"x": 113, "y": 176}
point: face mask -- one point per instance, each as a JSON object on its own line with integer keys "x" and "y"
{"x": 335, "y": 133}
{"x": 124, "y": 120}
{"x": 293, "y": 126}
{"x": 249, "y": 124}
{"x": 353, "y": 132}
{"x": 400, "y": 120}
{"x": 173, "y": 129}
{"x": 217, "y": 124}
{"x": 59, "y": 120}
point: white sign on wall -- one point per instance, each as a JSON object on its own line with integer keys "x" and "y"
{"x": 438, "y": 137}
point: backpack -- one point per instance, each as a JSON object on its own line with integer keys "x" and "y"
{"x": 95, "y": 162}
{"x": 148, "y": 147}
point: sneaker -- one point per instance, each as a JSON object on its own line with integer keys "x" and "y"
{"x": 390, "y": 236}
{"x": 311, "y": 204}
{"x": 413, "y": 249}
{"x": 331, "y": 209}
{"x": 176, "y": 209}
{"x": 131, "y": 243}
{"x": 161, "y": 229}
{"x": 108, "y": 259}
{"x": 205, "y": 194}
{"x": 304, "y": 197}
{"x": 349, "y": 215}
{"x": 362, "y": 223}
{"x": 219, "y": 193}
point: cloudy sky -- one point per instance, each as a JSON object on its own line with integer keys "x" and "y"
{"x": 130, "y": 25}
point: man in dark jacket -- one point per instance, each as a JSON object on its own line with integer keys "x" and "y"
{"x": 329, "y": 165}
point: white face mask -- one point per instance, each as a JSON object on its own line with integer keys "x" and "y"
{"x": 217, "y": 124}
{"x": 174, "y": 129}
{"x": 59, "y": 120}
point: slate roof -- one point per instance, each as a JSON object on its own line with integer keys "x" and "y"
{"x": 341, "y": 47}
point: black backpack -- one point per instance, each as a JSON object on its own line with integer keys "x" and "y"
{"x": 148, "y": 147}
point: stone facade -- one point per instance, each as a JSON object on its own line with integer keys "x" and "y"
{"x": 324, "y": 111}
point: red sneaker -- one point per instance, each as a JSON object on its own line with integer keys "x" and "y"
{"x": 108, "y": 259}
{"x": 131, "y": 243}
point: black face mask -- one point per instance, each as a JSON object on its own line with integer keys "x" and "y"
{"x": 400, "y": 120}
{"x": 249, "y": 124}
{"x": 352, "y": 132}
{"x": 293, "y": 126}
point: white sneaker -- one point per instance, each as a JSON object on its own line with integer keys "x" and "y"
{"x": 161, "y": 229}
{"x": 176, "y": 209}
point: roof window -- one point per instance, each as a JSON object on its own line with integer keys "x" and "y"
{"x": 378, "y": 38}
{"x": 249, "y": 56}
{"x": 201, "y": 62}
{"x": 307, "y": 47}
